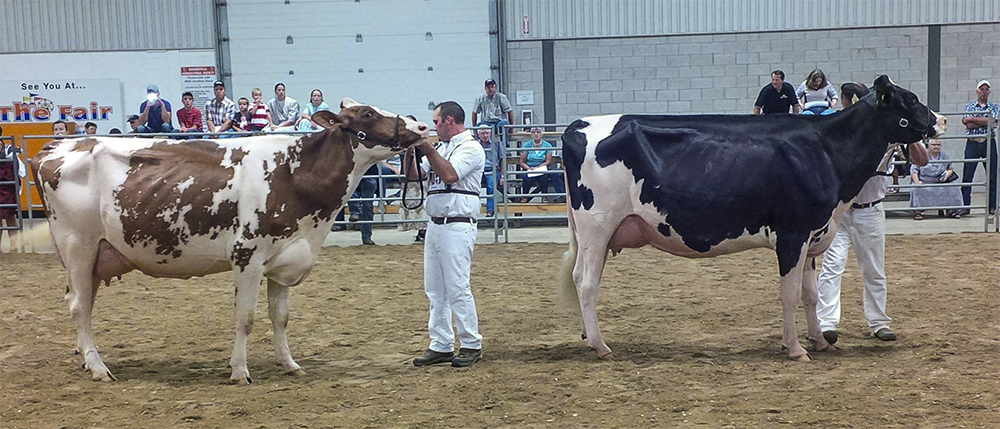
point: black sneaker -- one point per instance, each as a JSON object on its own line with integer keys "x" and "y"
{"x": 432, "y": 357}
{"x": 885, "y": 334}
{"x": 467, "y": 357}
{"x": 354, "y": 217}
{"x": 368, "y": 242}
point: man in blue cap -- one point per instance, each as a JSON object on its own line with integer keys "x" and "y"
{"x": 154, "y": 113}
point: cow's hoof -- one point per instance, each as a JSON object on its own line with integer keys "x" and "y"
{"x": 583, "y": 336}
{"x": 105, "y": 376}
{"x": 296, "y": 372}
{"x": 609, "y": 356}
{"x": 243, "y": 381}
{"x": 803, "y": 358}
{"x": 828, "y": 348}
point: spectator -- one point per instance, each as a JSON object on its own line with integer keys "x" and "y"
{"x": 364, "y": 210}
{"x": 260, "y": 115}
{"x": 494, "y": 106}
{"x": 981, "y": 129}
{"x": 59, "y": 128}
{"x": 220, "y": 111}
{"x": 133, "y": 122}
{"x": 862, "y": 226}
{"x": 90, "y": 128}
{"x": 316, "y": 104}
{"x": 776, "y": 97}
{"x": 11, "y": 170}
{"x": 154, "y": 113}
{"x": 189, "y": 117}
{"x": 243, "y": 117}
{"x": 930, "y": 174}
{"x": 491, "y": 170}
{"x": 536, "y": 163}
{"x": 115, "y": 131}
{"x": 816, "y": 95}
{"x": 284, "y": 109}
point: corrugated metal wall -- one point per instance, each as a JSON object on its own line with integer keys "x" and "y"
{"x": 105, "y": 25}
{"x": 564, "y": 19}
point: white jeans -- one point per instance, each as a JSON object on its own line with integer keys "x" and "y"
{"x": 447, "y": 268}
{"x": 865, "y": 228}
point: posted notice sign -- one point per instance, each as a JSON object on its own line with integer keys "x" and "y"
{"x": 198, "y": 80}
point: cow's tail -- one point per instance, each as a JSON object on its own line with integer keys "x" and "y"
{"x": 568, "y": 296}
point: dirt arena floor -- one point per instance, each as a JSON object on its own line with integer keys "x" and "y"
{"x": 697, "y": 345}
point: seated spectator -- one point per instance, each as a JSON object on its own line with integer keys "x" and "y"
{"x": 154, "y": 113}
{"x": 284, "y": 109}
{"x": 219, "y": 111}
{"x": 59, "y": 128}
{"x": 115, "y": 131}
{"x": 189, "y": 117}
{"x": 316, "y": 104}
{"x": 536, "y": 163}
{"x": 90, "y": 128}
{"x": 935, "y": 172}
{"x": 260, "y": 115}
{"x": 241, "y": 119}
{"x": 816, "y": 95}
{"x": 133, "y": 122}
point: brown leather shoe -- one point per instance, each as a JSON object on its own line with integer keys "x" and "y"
{"x": 467, "y": 357}
{"x": 432, "y": 357}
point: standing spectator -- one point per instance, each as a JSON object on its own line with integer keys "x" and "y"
{"x": 491, "y": 170}
{"x": 981, "y": 129}
{"x": 90, "y": 128}
{"x": 59, "y": 128}
{"x": 364, "y": 210}
{"x": 316, "y": 104}
{"x": 189, "y": 117}
{"x": 536, "y": 163}
{"x": 816, "y": 96}
{"x": 776, "y": 97}
{"x": 494, "y": 106}
{"x": 154, "y": 113}
{"x": 864, "y": 227}
{"x": 260, "y": 115}
{"x": 11, "y": 170}
{"x": 243, "y": 117}
{"x": 454, "y": 171}
{"x": 220, "y": 110}
{"x": 931, "y": 173}
{"x": 284, "y": 109}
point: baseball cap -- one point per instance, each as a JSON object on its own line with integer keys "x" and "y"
{"x": 983, "y": 82}
{"x": 152, "y": 88}
{"x": 133, "y": 117}
{"x": 219, "y": 83}
{"x": 490, "y": 81}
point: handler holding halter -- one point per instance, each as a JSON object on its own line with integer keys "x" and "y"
{"x": 456, "y": 168}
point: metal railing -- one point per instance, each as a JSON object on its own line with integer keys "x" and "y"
{"x": 13, "y": 164}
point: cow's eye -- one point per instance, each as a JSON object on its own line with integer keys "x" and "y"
{"x": 368, "y": 114}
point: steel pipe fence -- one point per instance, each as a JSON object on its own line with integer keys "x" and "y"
{"x": 12, "y": 163}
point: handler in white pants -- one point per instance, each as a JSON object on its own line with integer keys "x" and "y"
{"x": 455, "y": 169}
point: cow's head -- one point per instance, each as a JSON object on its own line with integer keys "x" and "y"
{"x": 906, "y": 119}
{"x": 382, "y": 132}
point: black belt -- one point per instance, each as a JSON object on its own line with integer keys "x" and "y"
{"x": 452, "y": 191}
{"x": 444, "y": 220}
{"x": 866, "y": 205}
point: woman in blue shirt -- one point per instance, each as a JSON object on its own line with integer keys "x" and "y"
{"x": 316, "y": 104}
{"x": 536, "y": 163}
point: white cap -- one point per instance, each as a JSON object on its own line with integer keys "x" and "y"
{"x": 983, "y": 82}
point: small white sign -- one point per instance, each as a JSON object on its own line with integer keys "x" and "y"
{"x": 525, "y": 97}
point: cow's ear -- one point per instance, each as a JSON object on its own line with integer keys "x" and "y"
{"x": 885, "y": 89}
{"x": 326, "y": 119}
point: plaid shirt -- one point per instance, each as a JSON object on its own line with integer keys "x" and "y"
{"x": 218, "y": 112}
{"x": 493, "y": 109}
{"x": 974, "y": 106}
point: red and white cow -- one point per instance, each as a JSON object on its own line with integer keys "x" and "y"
{"x": 703, "y": 186}
{"x": 258, "y": 206}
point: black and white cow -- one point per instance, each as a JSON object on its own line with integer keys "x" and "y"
{"x": 703, "y": 186}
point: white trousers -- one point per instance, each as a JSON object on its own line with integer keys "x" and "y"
{"x": 447, "y": 268}
{"x": 865, "y": 228}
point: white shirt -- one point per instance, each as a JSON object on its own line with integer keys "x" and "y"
{"x": 468, "y": 159}
{"x": 876, "y": 186}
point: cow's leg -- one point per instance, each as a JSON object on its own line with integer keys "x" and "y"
{"x": 277, "y": 309}
{"x": 791, "y": 263}
{"x": 248, "y": 281}
{"x": 810, "y": 296}
{"x": 590, "y": 261}
{"x": 82, "y": 294}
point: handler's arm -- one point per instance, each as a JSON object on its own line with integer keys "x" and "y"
{"x": 442, "y": 168}
{"x": 918, "y": 154}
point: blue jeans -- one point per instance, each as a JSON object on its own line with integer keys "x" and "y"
{"x": 489, "y": 182}
{"x": 558, "y": 183}
{"x": 166, "y": 127}
{"x": 364, "y": 209}
{"x": 974, "y": 149}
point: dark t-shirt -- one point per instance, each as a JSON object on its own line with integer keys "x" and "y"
{"x": 155, "y": 119}
{"x": 771, "y": 101}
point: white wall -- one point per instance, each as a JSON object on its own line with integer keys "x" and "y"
{"x": 395, "y": 53}
{"x": 136, "y": 70}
